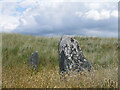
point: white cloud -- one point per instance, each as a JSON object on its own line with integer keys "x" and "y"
{"x": 45, "y": 15}
{"x": 93, "y": 14}
{"x": 79, "y": 13}
{"x": 114, "y": 13}
{"x": 65, "y": 0}
{"x": 105, "y": 14}
{"x": 92, "y": 5}
{"x": 8, "y": 23}
{"x": 54, "y": 15}
{"x": 10, "y": 0}
{"x": 28, "y": 3}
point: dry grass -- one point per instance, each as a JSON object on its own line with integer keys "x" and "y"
{"x": 16, "y": 49}
{"x": 49, "y": 78}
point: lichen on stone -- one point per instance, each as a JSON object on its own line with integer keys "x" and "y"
{"x": 71, "y": 57}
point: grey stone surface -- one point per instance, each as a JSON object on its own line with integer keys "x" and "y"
{"x": 71, "y": 56}
{"x": 34, "y": 60}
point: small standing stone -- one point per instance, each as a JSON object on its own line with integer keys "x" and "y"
{"x": 71, "y": 56}
{"x": 34, "y": 60}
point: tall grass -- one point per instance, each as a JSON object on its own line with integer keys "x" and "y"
{"x": 17, "y": 48}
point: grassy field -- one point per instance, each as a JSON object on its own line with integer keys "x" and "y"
{"x": 16, "y": 50}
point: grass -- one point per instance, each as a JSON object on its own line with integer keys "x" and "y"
{"x": 17, "y": 48}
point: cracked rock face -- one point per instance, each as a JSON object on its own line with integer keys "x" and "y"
{"x": 34, "y": 60}
{"x": 71, "y": 56}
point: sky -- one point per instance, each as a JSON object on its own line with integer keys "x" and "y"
{"x": 58, "y": 17}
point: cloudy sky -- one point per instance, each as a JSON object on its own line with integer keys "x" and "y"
{"x": 58, "y": 17}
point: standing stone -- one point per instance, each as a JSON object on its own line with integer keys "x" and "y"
{"x": 34, "y": 60}
{"x": 71, "y": 56}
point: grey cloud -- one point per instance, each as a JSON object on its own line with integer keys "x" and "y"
{"x": 63, "y": 20}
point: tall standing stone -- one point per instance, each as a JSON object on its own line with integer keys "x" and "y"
{"x": 34, "y": 60}
{"x": 71, "y": 56}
